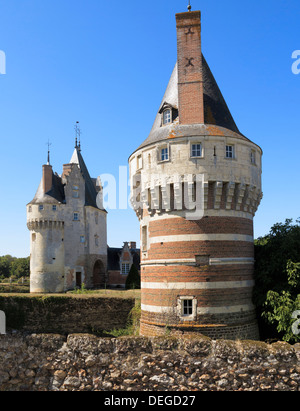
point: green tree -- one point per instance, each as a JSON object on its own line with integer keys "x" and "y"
{"x": 133, "y": 280}
{"x": 277, "y": 277}
{"x": 20, "y": 267}
{"x": 4, "y": 267}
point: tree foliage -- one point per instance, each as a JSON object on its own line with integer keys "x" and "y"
{"x": 13, "y": 266}
{"x": 277, "y": 278}
{"x": 133, "y": 280}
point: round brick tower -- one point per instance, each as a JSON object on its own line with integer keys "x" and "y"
{"x": 195, "y": 186}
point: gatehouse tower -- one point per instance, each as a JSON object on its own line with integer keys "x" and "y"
{"x": 68, "y": 235}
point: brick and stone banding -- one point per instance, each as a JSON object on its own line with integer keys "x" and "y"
{"x": 201, "y": 258}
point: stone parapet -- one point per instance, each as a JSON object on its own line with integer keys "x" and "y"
{"x": 83, "y": 362}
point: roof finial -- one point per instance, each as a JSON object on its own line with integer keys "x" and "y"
{"x": 48, "y": 158}
{"x": 189, "y": 6}
{"x": 77, "y": 135}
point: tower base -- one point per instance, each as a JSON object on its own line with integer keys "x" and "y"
{"x": 244, "y": 331}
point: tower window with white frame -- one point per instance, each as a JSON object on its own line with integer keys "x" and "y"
{"x": 229, "y": 151}
{"x": 187, "y": 307}
{"x": 196, "y": 150}
{"x": 164, "y": 154}
{"x": 252, "y": 157}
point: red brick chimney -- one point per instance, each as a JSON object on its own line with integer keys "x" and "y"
{"x": 189, "y": 57}
{"x": 47, "y": 178}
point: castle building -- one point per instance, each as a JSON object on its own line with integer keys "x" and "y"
{"x": 195, "y": 187}
{"x": 67, "y": 223}
{"x": 119, "y": 262}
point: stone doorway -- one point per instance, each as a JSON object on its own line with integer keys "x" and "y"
{"x": 98, "y": 274}
{"x": 78, "y": 280}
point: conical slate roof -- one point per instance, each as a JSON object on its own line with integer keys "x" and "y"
{"x": 217, "y": 117}
{"x": 90, "y": 189}
{"x": 55, "y": 195}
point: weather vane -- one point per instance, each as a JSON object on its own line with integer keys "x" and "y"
{"x": 77, "y": 135}
{"x": 48, "y": 158}
{"x": 189, "y": 6}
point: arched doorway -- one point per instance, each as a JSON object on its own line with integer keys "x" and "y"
{"x": 98, "y": 274}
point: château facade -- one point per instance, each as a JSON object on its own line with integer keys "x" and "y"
{"x": 68, "y": 234}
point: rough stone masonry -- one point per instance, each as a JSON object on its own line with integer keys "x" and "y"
{"x": 83, "y": 362}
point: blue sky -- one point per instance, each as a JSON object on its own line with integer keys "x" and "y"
{"x": 107, "y": 64}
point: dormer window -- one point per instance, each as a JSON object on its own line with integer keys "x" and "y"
{"x": 167, "y": 116}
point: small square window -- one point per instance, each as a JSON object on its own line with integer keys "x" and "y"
{"x": 187, "y": 307}
{"x": 41, "y": 207}
{"x": 54, "y": 208}
{"x": 167, "y": 116}
{"x": 75, "y": 194}
{"x": 229, "y": 151}
{"x": 76, "y": 217}
{"x": 164, "y": 154}
{"x": 82, "y": 239}
{"x": 196, "y": 150}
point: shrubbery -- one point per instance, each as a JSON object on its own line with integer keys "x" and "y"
{"x": 277, "y": 281}
{"x": 133, "y": 280}
{"x": 14, "y": 267}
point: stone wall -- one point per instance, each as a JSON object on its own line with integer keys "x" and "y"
{"x": 79, "y": 362}
{"x": 65, "y": 313}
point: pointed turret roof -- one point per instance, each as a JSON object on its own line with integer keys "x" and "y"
{"x": 54, "y": 196}
{"x": 192, "y": 92}
{"x": 90, "y": 189}
{"x": 216, "y": 111}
